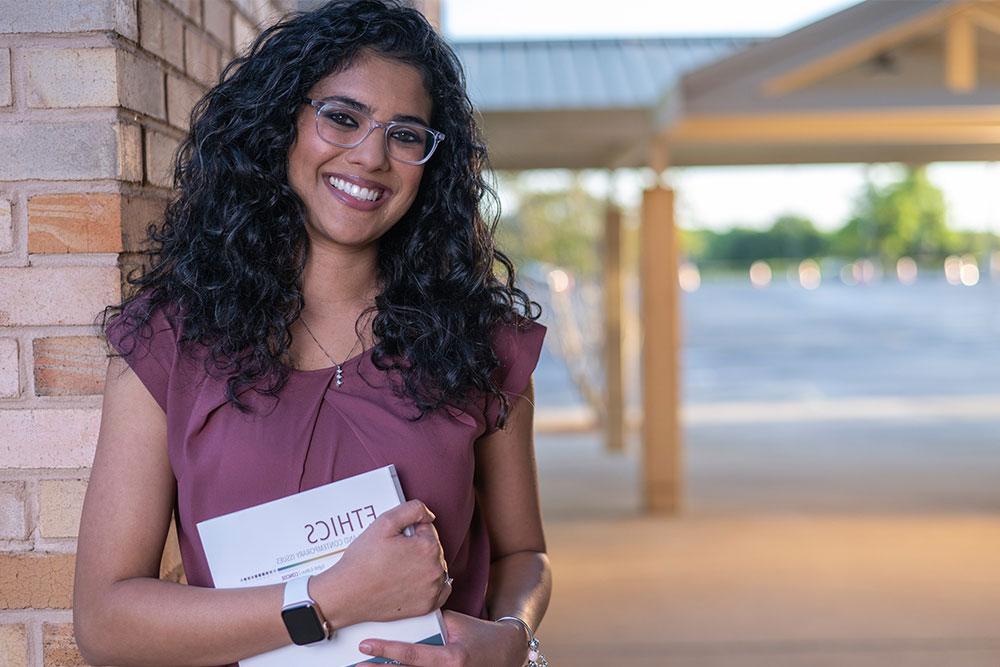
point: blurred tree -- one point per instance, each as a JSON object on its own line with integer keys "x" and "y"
{"x": 796, "y": 237}
{"x": 562, "y": 227}
{"x": 790, "y": 237}
{"x": 693, "y": 242}
{"x": 907, "y": 217}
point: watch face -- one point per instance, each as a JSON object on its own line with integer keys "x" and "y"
{"x": 304, "y": 626}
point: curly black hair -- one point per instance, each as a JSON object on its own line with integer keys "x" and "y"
{"x": 232, "y": 247}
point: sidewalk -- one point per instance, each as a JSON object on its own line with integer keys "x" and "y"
{"x": 812, "y": 545}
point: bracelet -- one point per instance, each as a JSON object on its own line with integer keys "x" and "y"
{"x": 535, "y": 657}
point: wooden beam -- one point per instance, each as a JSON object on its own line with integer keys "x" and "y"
{"x": 960, "y": 53}
{"x": 985, "y": 19}
{"x": 661, "y": 432}
{"x": 856, "y": 53}
{"x": 961, "y": 125}
{"x": 614, "y": 426}
{"x": 659, "y": 156}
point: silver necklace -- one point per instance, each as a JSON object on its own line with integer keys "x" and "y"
{"x": 339, "y": 366}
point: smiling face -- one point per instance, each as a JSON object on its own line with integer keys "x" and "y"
{"x": 324, "y": 175}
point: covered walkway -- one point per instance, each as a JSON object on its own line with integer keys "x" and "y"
{"x": 908, "y": 80}
{"x": 791, "y": 567}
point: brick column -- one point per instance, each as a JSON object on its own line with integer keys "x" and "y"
{"x": 94, "y": 98}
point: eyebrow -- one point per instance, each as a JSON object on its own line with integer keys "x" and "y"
{"x": 361, "y": 106}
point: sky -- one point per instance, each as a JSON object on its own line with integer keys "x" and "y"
{"x": 755, "y": 196}
{"x": 477, "y": 19}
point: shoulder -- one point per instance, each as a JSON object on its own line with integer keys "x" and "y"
{"x": 517, "y": 343}
{"x": 147, "y": 337}
{"x": 140, "y": 318}
{"x": 518, "y": 346}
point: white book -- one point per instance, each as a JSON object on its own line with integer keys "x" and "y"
{"x": 304, "y": 534}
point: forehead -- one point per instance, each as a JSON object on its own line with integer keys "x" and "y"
{"x": 388, "y": 86}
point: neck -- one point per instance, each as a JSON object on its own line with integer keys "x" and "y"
{"x": 335, "y": 283}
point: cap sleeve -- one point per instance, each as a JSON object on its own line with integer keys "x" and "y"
{"x": 518, "y": 349}
{"x": 150, "y": 351}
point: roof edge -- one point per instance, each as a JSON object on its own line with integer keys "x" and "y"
{"x": 602, "y": 39}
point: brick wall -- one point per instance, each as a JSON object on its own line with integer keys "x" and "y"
{"x": 94, "y": 97}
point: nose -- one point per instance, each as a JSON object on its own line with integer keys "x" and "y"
{"x": 370, "y": 154}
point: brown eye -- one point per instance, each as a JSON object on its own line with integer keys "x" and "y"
{"x": 341, "y": 118}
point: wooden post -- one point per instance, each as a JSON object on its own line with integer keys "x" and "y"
{"x": 960, "y": 54}
{"x": 661, "y": 432}
{"x": 614, "y": 419}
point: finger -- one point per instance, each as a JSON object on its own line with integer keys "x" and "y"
{"x": 413, "y": 655}
{"x": 409, "y": 513}
{"x": 445, "y": 593}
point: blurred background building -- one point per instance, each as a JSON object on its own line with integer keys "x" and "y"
{"x": 812, "y": 395}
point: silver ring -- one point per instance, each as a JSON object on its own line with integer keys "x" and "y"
{"x": 447, "y": 579}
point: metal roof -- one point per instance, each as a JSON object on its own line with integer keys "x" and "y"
{"x": 536, "y": 75}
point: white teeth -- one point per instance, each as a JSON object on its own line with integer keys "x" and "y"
{"x": 355, "y": 191}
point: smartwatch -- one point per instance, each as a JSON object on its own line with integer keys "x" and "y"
{"x": 302, "y": 615}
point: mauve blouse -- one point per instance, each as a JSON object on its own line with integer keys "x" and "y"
{"x": 314, "y": 433}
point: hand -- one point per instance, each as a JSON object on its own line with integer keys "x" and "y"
{"x": 472, "y": 642}
{"x": 384, "y": 574}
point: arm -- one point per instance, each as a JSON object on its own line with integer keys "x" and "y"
{"x": 520, "y": 576}
{"x": 122, "y": 612}
{"x": 125, "y": 615}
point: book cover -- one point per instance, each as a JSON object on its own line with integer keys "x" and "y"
{"x": 304, "y": 534}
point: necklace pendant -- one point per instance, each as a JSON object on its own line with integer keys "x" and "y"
{"x": 340, "y": 375}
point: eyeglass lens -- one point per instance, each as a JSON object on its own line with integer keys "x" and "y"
{"x": 347, "y": 128}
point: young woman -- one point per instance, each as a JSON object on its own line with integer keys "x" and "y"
{"x": 322, "y": 301}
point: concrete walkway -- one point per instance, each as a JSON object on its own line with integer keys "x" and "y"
{"x": 817, "y": 544}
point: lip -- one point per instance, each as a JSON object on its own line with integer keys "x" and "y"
{"x": 359, "y": 204}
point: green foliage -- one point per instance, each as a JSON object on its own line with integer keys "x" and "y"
{"x": 559, "y": 227}
{"x": 905, "y": 218}
{"x": 790, "y": 237}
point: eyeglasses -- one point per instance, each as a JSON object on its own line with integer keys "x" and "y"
{"x": 347, "y": 127}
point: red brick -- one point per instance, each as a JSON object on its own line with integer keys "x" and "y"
{"x": 60, "y": 504}
{"x": 138, "y": 213}
{"x": 5, "y": 97}
{"x": 201, "y": 57}
{"x": 39, "y": 295}
{"x": 69, "y": 366}
{"x": 218, "y": 21}
{"x": 59, "y": 646}
{"x": 13, "y": 516}
{"x": 128, "y": 137}
{"x": 171, "y": 567}
{"x": 71, "y": 149}
{"x": 75, "y": 223}
{"x": 49, "y": 438}
{"x": 182, "y": 94}
{"x": 160, "y": 153}
{"x": 191, "y": 8}
{"x": 161, "y": 31}
{"x": 36, "y": 581}
{"x": 71, "y": 78}
{"x": 10, "y": 374}
{"x": 6, "y": 227}
{"x": 243, "y": 33}
{"x": 13, "y": 646}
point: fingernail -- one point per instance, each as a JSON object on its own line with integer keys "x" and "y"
{"x": 365, "y": 647}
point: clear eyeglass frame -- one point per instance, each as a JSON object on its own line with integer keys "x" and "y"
{"x": 321, "y": 106}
